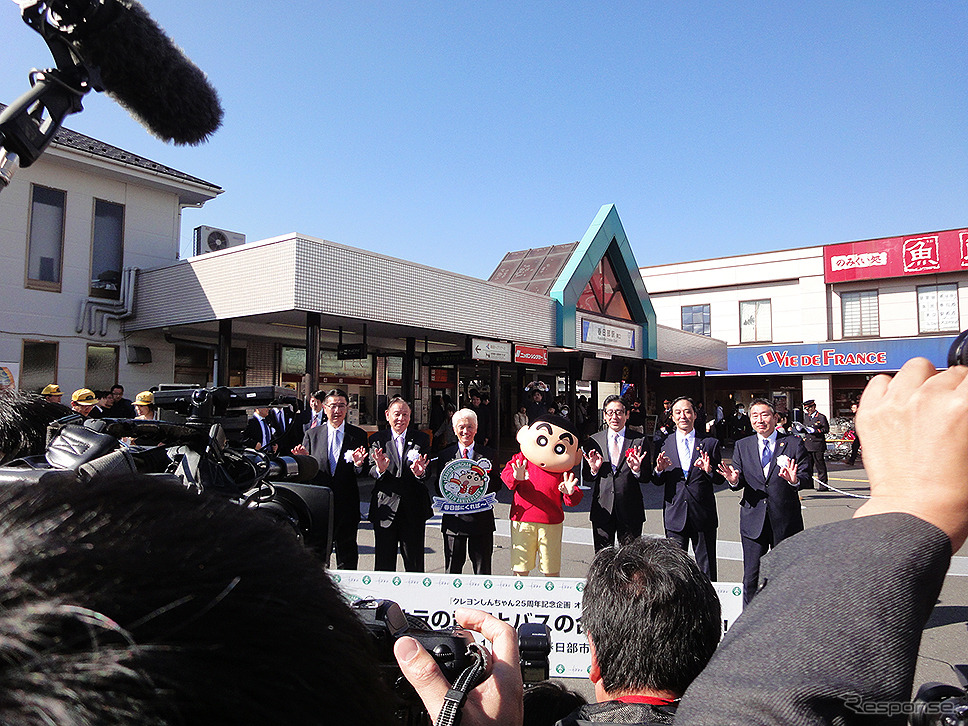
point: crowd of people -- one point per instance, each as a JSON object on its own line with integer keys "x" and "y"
{"x": 135, "y": 601}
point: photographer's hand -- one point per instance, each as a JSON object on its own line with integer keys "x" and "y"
{"x": 498, "y": 701}
{"x": 890, "y": 421}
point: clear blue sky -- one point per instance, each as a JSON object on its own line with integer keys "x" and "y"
{"x": 449, "y": 133}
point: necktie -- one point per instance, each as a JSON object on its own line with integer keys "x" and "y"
{"x": 685, "y": 454}
{"x": 614, "y": 449}
{"x": 334, "y": 446}
{"x": 467, "y": 453}
{"x": 765, "y": 460}
{"x": 315, "y": 422}
{"x": 265, "y": 432}
{"x": 400, "y": 448}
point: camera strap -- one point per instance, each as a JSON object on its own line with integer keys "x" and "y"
{"x": 469, "y": 678}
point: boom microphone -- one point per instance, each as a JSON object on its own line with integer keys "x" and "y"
{"x": 136, "y": 63}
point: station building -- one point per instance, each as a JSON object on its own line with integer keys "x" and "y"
{"x": 95, "y": 293}
{"x": 816, "y": 322}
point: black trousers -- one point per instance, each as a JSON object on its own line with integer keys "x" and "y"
{"x": 819, "y": 467}
{"x": 409, "y": 539}
{"x": 604, "y": 533}
{"x": 703, "y": 544}
{"x": 344, "y": 543}
{"x": 458, "y": 546}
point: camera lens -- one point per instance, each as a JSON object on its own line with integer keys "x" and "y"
{"x": 958, "y": 352}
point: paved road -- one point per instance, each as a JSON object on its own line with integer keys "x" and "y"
{"x": 945, "y": 639}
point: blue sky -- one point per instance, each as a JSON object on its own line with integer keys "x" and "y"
{"x": 449, "y": 133}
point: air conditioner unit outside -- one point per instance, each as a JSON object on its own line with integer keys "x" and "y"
{"x": 212, "y": 239}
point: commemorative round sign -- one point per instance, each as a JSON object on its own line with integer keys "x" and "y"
{"x": 463, "y": 486}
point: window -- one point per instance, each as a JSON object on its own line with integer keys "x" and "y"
{"x": 938, "y": 308}
{"x": 860, "y": 313}
{"x": 46, "y": 238}
{"x": 38, "y": 365}
{"x": 102, "y": 367}
{"x": 695, "y": 319}
{"x": 107, "y": 249}
{"x": 603, "y": 295}
{"x": 755, "y": 321}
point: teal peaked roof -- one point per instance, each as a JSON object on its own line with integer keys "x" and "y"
{"x": 563, "y": 271}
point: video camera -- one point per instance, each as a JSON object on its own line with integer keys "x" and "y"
{"x": 201, "y": 449}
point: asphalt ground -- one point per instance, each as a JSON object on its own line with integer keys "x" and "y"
{"x": 945, "y": 638}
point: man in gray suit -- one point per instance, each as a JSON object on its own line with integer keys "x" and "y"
{"x": 613, "y": 465}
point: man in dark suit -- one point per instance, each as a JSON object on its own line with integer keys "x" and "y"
{"x": 340, "y": 450}
{"x": 770, "y": 468}
{"x": 613, "y": 465}
{"x": 468, "y": 534}
{"x": 815, "y": 441}
{"x": 687, "y": 467}
{"x": 259, "y": 430}
{"x": 400, "y": 505}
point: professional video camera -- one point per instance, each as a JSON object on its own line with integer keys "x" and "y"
{"x": 940, "y": 703}
{"x": 201, "y": 448}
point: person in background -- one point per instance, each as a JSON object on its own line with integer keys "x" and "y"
{"x": 52, "y": 393}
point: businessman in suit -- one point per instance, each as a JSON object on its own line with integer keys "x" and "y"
{"x": 260, "y": 431}
{"x": 687, "y": 467}
{"x": 467, "y": 534}
{"x": 340, "y": 450}
{"x": 769, "y": 468}
{"x": 613, "y": 466}
{"x": 400, "y": 505}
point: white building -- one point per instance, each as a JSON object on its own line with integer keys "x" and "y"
{"x": 816, "y": 322}
{"x": 70, "y": 225}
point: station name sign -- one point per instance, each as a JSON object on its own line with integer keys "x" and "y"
{"x": 610, "y": 335}
{"x": 872, "y": 259}
{"x": 863, "y": 356}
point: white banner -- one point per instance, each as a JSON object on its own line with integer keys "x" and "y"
{"x": 555, "y": 601}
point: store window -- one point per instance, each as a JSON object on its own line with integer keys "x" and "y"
{"x": 107, "y": 249}
{"x": 46, "y": 238}
{"x": 602, "y": 295}
{"x": 755, "y": 321}
{"x": 38, "y": 365}
{"x": 860, "y": 314}
{"x": 695, "y": 319}
{"x": 938, "y": 308}
{"x": 102, "y": 367}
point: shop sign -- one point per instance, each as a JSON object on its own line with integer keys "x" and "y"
{"x": 868, "y": 356}
{"x": 490, "y": 350}
{"x": 530, "y": 355}
{"x": 873, "y": 259}
{"x": 611, "y": 335}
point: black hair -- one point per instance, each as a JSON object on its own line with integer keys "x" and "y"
{"x": 652, "y": 616}
{"x": 547, "y": 702}
{"x": 135, "y": 602}
{"x": 762, "y": 402}
{"x": 559, "y": 421}
{"x": 337, "y": 392}
{"x": 612, "y": 399}
{"x": 23, "y": 423}
{"x": 684, "y": 398}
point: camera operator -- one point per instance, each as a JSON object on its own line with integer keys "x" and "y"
{"x": 133, "y": 601}
{"x": 652, "y": 621}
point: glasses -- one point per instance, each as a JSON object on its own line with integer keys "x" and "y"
{"x": 613, "y": 412}
{"x": 334, "y": 406}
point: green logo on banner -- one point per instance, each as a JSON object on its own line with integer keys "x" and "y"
{"x": 337, "y": 577}
{"x": 488, "y": 584}
{"x": 580, "y": 587}
{"x": 559, "y": 668}
{"x": 457, "y": 583}
{"x": 737, "y": 591}
{"x": 366, "y": 579}
{"x": 549, "y": 586}
{"x": 518, "y": 585}
{"x": 396, "y": 580}
{"x": 426, "y": 582}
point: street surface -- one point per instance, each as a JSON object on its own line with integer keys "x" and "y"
{"x": 945, "y": 639}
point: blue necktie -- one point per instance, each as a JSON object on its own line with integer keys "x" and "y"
{"x": 334, "y": 447}
{"x": 765, "y": 461}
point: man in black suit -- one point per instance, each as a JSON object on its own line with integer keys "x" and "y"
{"x": 340, "y": 450}
{"x": 613, "y": 465}
{"x": 815, "y": 441}
{"x": 687, "y": 467}
{"x": 468, "y": 534}
{"x": 770, "y": 468}
{"x": 260, "y": 431}
{"x": 400, "y": 505}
